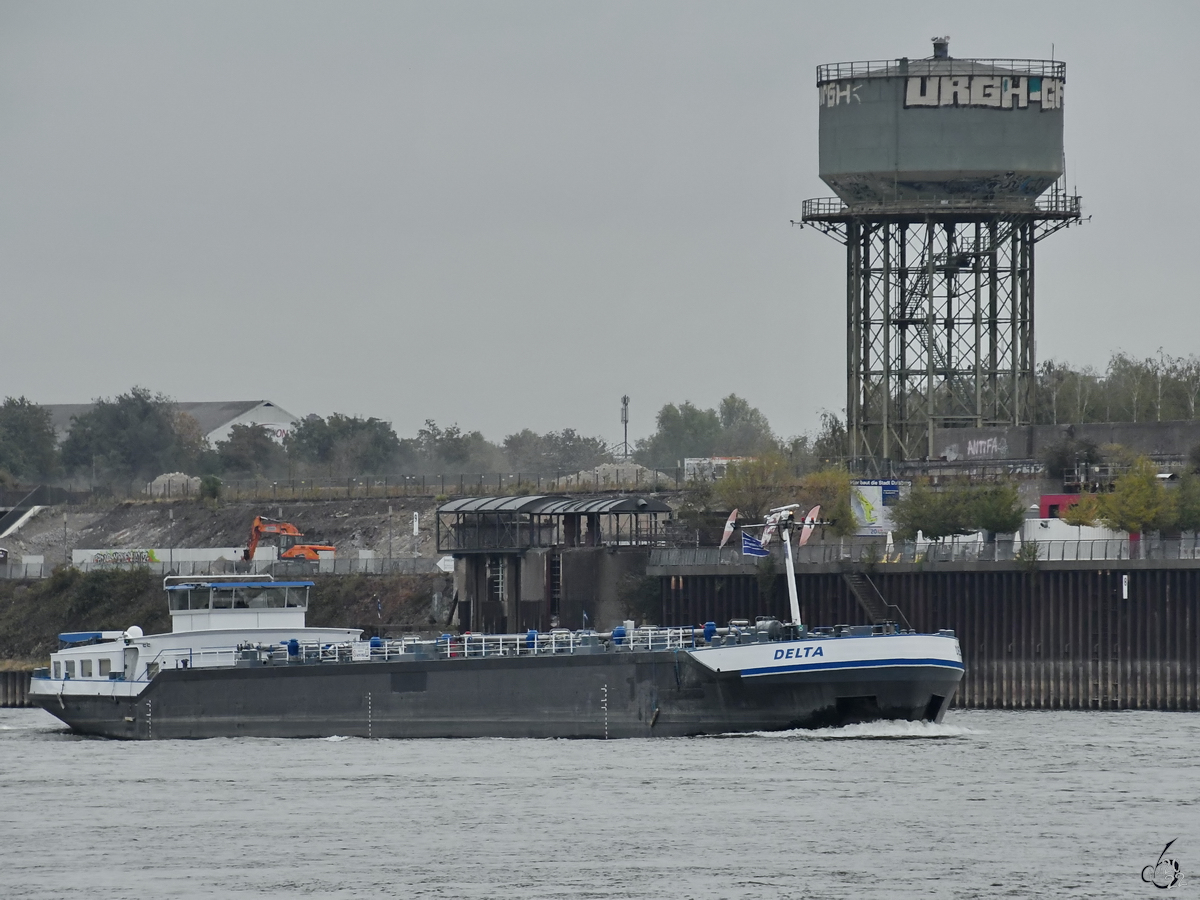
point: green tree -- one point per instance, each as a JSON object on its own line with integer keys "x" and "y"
{"x": 832, "y": 442}
{"x": 830, "y": 488}
{"x": 348, "y": 444}
{"x": 1158, "y": 388}
{"x": 1187, "y": 502}
{"x": 995, "y": 508}
{"x": 555, "y": 451}
{"x": 936, "y": 514}
{"x": 251, "y": 452}
{"x": 134, "y": 435}
{"x": 756, "y": 485}
{"x": 1085, "y": 512}
{"x": 450, "y": 449}
{"x": 28, "y": 448}
{"x": 683, "y": 431}
{"x": 1138, "y": 501}
{"x": 1194, "y": 459}
{"x": 734, "y": 429}
{"x": 959, "y": 509}
{"x": 744, "y": 430}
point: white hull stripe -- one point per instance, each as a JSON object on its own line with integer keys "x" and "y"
{"x": 853, "y": 664}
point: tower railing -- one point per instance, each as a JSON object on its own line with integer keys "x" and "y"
{"x": 1053, "y": 204}
{"x": 893, "y": 68}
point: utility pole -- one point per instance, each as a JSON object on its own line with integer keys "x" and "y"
{"x": 625, "y": 423}
{"x": 389, "y": 535}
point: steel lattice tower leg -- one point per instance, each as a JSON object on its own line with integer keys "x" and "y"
{"x": 940, "y": 331}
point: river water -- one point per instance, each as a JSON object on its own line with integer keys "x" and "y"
{"x": 989, "y": 804}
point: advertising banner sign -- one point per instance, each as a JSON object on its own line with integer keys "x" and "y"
{"x": 871, "y": 500}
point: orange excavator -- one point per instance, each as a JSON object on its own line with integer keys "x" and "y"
{"x": 290, "y": 545}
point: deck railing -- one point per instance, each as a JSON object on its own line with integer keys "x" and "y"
{"x": 876, "y": 552}
{"x": 445, "y": 647}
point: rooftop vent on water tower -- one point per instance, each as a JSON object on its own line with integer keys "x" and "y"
{"x": 941, "y": 47}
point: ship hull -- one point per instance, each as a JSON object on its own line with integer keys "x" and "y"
{"x": 601, "y": 695}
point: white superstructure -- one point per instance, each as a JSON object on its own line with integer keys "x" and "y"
{"x": 212, "y": 619}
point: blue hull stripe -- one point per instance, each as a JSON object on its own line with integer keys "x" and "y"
{"x": 854, "y": 664}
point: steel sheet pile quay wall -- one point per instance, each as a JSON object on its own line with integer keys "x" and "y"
{"x": 14, "y": 689}
{"x": 1069, "y": 637}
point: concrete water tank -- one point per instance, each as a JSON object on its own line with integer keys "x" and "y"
{"x": 941, "y": 129}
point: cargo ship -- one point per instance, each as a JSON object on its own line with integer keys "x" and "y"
{"x": 241, "y": 662}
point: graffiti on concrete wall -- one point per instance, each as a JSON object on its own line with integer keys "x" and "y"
{"x": 839, "y": 93}
{"x": 981, "y": 448}
{"x": 123, "y": 557}
{"x": 989, "y": 91}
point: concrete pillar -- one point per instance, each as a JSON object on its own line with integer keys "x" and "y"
{"x": 511, "y": 567}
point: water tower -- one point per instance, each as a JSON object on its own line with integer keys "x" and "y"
{"x": 947, "y": 174}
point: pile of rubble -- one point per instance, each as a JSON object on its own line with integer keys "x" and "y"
{"x": 173, "y": 484}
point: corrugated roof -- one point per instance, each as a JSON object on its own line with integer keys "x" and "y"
{"x": 520, "y": 504}
{"x": 209, "y": 415}
{"x": 551, "y": 505}
{"x": 212, "y": 415}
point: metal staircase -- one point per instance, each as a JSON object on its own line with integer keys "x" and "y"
{"x": 872, "y": 602}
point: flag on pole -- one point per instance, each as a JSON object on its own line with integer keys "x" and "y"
{"x": 751, "y": 546}
{"x": 807, "y": 530}
{"x": 730, "y": 523}
{"x": 769, "y": 531}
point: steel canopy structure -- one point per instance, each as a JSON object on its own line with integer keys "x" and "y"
{"x": 941, "y": 168}
{"x": 493, "y": 525}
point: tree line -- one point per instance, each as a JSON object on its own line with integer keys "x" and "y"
{"x": 139, "y": 435}
{"x": 1159, "y": 388}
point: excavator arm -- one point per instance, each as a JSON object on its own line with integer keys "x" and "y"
{"x": 262, "y": 525}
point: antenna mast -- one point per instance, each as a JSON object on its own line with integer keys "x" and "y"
{"x": 625, "y": 423}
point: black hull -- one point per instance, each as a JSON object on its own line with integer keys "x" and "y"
{"x": 613, "y": 695}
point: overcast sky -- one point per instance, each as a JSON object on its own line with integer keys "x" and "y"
{"x": 509, "y": 214}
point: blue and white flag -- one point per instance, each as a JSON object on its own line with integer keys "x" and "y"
{"x": 751, "y": 546}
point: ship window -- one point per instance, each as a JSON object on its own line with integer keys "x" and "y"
{"x": 105, "y": 667}
{"x": 199, "y": 599}
{"x": 85, "y": 668}
{"x": 70, "y": 668}
{"x": 179, "y": 600}
{"x": 222, "y": 600}
{"x": 261, "y": 598}
{"x": 57, "y": 670}
{"x": 297, "y": 598}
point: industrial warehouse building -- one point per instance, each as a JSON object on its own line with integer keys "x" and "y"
{"x": 216, "y": 418}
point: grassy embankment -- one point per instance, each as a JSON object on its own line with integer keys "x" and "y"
{"x": 33, "y": 613}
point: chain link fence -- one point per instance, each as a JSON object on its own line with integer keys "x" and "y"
{"x": 615, "y": 478}
{"x": 290, "y": 569}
